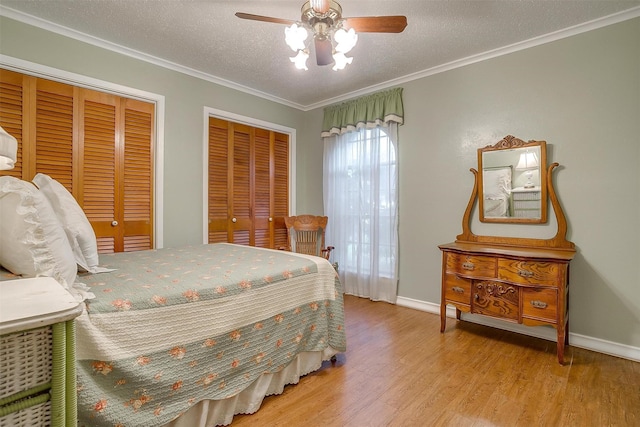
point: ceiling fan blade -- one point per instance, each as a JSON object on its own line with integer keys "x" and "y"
{"x": 264, "y": 18}
{"x": 324, "y": 51}
{"x": 377, "y": 24}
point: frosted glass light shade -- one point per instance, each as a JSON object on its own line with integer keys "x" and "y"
{"x": 300, "y": 60}
{"x": 341, "y": 61}
{"x": 8, "y": 150}
{"x": 345, "y": 40}
{"x": 295, "y": 37}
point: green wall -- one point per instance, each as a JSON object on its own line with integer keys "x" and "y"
{"x": 581, "y": 94}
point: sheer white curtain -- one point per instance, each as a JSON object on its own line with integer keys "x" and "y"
{"x": 361, "y": 201}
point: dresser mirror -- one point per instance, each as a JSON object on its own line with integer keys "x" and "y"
{"x": 512, "y": 187}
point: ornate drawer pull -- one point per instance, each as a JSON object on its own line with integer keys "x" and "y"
{"x": 468, "y": 265}
{"x": 458, "y": 289}
{"x": 539, "y": 304}
{"x": 525, "y": 273}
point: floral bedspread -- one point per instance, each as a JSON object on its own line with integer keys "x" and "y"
{"x": 172, "y": 327}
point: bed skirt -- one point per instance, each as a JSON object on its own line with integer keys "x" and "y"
{"x": 209, "y": 413}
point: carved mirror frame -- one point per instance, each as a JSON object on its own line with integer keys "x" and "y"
{"x": 559, "y": 241}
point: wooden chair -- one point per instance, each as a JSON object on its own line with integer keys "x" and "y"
{"x": 306, "y": 235}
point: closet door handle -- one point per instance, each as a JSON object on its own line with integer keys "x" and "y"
{"x": 114, "y": 223}
{"x": 270, "y": 219}
{"x": 234, "y": 219}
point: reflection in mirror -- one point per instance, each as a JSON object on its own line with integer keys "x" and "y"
{"x": 512, "y": 182}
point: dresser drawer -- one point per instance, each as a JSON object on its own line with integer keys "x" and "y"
{"x": 540, "y": 304}
{"x": 471, "y": 265}
{"x": 496, "y": 299}
{"x": 529, "y": 272}
{"x": 457, "y": 289}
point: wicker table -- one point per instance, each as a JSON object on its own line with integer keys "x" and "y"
{"x": 37, "y": 353}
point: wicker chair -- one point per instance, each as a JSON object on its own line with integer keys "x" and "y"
{"x": 306, "y": 235}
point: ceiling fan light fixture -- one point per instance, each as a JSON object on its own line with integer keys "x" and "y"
{"x": 295, "y": 36}
{"x": 300, "y": 60}
{"x": 345, "y": 40}
{"x": 322, "y": 19}
{"x": 341, "y": 61}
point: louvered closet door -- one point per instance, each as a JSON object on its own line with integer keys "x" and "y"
{"x": 229, "y": 182}
{"x": 262, "y": 187}
{"x": 40, "y": 114}
{"x": 101, "y": 194}
{"x": 240, "y": 190}
{"x": 53, "y": 132}
{"x": 138, "y": 174}
{"x": 280, "y": 188}
{"x": 245, "y": 207}
{"x": 218, "y": 191}
{"x": 271, "y": 183}
{"x": 98, "y": 145}
{"x": 11, "y": 113}
{"x": 116, "y": 137}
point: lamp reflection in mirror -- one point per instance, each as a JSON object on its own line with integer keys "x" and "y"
{"x": 528, "y": 162}
{"x": 8, "y": 150}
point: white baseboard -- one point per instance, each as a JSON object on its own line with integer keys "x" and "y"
{"x": 548, "y": 333}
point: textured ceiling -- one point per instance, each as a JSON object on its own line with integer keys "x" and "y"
{"x": 207, "y": 39}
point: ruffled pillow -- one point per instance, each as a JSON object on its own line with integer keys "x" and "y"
{"x": 74, "y": 222}
{"x": 32, "y": 241}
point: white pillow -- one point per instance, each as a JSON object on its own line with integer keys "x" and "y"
{"x": 74, "y": 221}
{"x": 32, "y": 241}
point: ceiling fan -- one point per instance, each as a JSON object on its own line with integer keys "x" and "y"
{"x": 333, "y": 35}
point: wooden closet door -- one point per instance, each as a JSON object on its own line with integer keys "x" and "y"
{"x": 12, "y": 111}
{"x": 262, "y": 183}
{"x": 40, "y": 115}
{"x": 241, "y": 227}
{"x": 98, "y": 145}
{"x": 218, "y": 171}
{"x": 138, "y": 174}
{"x": 280, "y": 189}
{"x": 100, "y": 194}
{"x": 117, "y": 170}
{"x": 52, "y": 153}
{"x": 245, "y": 204}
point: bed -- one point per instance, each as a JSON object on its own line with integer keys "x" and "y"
{"x": 191, "y": 335}
{"x": 496, "y": 183}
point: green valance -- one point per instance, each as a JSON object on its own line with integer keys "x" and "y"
{"x": 368, "y": 111}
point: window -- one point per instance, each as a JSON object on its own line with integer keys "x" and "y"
{"x": 361, "y": 200}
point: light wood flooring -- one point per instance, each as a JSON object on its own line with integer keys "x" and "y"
{"x": 399, "y": 370}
